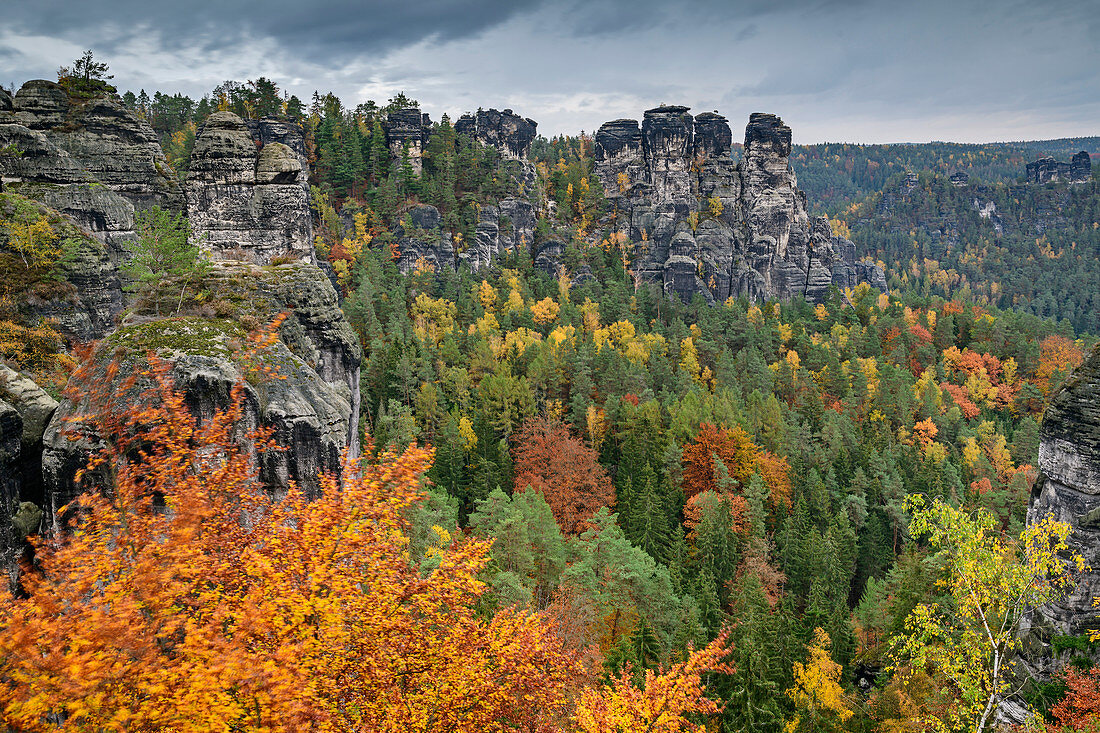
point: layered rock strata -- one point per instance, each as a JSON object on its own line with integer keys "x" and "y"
{"x": 118, "y": 148}
{"x": 406, "y": 132}
{"x": 506, "y": 131}
{"x": 245, "y": 200}
{"x": 85, "y": 296}
{"x": 698, "y": 223}
{"x": 313, "y": 408}
{"x": 1050, "y": 170}
{"x": 271, "y": 129}
{"x": 1069, "y": 488}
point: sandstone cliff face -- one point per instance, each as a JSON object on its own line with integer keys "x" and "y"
{"x": 1069, "y": 487}
{"x": 246, "y": 202}
{"x": 118, "y": 148}
{"x": 39, "y": 169}
{"x": 87, "y": 294}
{"x": 506, "y": 131}
{"x": 406, "y": 132}
{"x": 1050, "y": 170}
{"x": 702, "y": 224}
{"x": 314, "y": 411}
{"x": 269, "y": 129}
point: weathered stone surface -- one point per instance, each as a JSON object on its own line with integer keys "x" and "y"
{"x": 701, "y": 224}
{"x": 46, "y": 173}
{"x": 424, "y": 241}
{"x": 87, "y": 295}
{"x": 118, "y": 148}
{"x": 270, "y": 129}
{"x": 1069, "y": 488}
{"x": 33, "y": 408}
{"x": 407, "y": 130}
{"x": 245, "y": 203}
{"x": 314, "y": 411}
{"x": 1049, "y": 170}
{"x": 506, "y": 131}
{"x": 500, "y": 228}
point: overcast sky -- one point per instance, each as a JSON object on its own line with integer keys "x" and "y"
{"x": 835, "y": 70}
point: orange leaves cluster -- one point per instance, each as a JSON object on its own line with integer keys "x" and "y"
{"x": 1080, "y": 708}
{"x": 186, "y": 598}
{"x": 742, "y": 459}
{"x": 658, "y": 706}
{"x": 550, "y": 460}
{"x": 1057, "y": 355}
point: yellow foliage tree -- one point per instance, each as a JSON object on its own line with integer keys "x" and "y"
{"x": 817, "y": 694}
{"x": 545, "y": 311}
{"x": 992, "y": 581}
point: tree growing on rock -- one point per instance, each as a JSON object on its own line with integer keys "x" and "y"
{"x": 164, "y": 251}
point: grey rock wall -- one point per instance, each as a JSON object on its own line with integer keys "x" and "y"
{"x": 701, "y": 224}
{"x": 245, "y": 200}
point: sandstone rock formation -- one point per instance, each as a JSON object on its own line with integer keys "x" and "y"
{"x": 1069, "y": 487}
{"x": 87, "y": 295}
{"x": 44, "y": 172}
{"x": 246, "y": 202}
{"x": 25, "y": 410}
{"x": 314, "y": 411}
{"x": 406, "y": 132}
{"x": 118, "y": 148}
{"x": 699, "y": 223}
{"x": 506, "y": 131}
{"x": 271, "y": 129}
{"x": 1049, "y": 170}
{"x": 504, "y": 227}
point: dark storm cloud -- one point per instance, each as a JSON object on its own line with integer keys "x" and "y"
{"x": 871, "y": 70}
{"x": 333, "y": 30}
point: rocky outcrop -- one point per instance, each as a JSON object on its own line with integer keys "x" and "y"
{"x": 114, "y": 145}
{"x": 246, "y": 201}
{"x": 38, "y": 169}
{"x": 701, "y": 224}
{"x": 271, "y": 129}
{"x": 30, "y": 411}
{"x": 1069, "y": 488}
{"x": 85, "y": 294}
{"x": 313, "y": 408}
{"x": 406, "y": 133}
{"x": 504, "y": 227}
{"x": 1050, "y": 170}
{"x": 506, "y": 131}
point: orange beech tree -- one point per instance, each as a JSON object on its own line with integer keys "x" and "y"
{"x": 742, "y": 458}
{"x": 563, "y": 469}
{"x": 184, "y": 597}
{"x": 660, "y": 704}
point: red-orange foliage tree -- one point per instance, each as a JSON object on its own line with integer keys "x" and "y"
{"x": 1080, "y": 708}
{"x": 185, "y": 598}
{"x": 550, "y": 460}
{"x": 742, "y": 459}
{"x": 659, "y": 705}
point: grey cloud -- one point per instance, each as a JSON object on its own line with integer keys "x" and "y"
{"x": 333, "y": 30}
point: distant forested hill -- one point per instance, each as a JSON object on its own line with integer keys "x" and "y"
{"x": 836, "y": 175}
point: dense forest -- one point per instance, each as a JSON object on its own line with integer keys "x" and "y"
{"x": 657, "y": 477}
